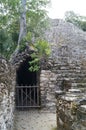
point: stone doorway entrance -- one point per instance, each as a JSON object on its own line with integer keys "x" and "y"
{"x": 27, "y": 87}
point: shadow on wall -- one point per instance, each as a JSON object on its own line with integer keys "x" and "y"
{"x": 65, "y": 85}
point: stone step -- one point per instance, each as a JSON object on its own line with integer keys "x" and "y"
{"x": 72, "y": 77}
{"x": 83, "y": 89}
{"x": 80, "y": 80}
{"x": 71, "y": 71}
{"x": 78, "y": 85}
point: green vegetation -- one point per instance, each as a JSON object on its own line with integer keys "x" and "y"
{"x": 41, "y": 52}
{"x": 10, "y": 24}
{"x": 79, "y": 21}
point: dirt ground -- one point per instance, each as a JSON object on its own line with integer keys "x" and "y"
{"x": 34, "y": 120}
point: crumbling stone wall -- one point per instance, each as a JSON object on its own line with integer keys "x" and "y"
{"x": 71, "y": 110}
{"x": 67, "y": 63}
{"x": 47, "y": 89}
{"x": 7, "y": 89}
{"x": 66, "y": 67}
{"x": 68, "y": 44}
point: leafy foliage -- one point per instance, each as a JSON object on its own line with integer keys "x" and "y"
{"x": 36, "y": 18}
{"x": 7, "y": 46}
{"x": 76, "y": 19}
{"x": 41, "y": 51}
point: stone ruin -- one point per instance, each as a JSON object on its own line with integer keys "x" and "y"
{"x": 65, "y": 69}
{"x": 7, "y": 90}
{"x": 71, "y": 110}
{"x": 66, "y": 65}
{"x": 69, "y": 68}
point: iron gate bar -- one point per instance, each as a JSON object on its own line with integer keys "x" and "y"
{"x": 27, "y": 96}
{"x": 28, "y": 106}
{"x": 37, "y": 96}
{"x": 30, "y": 96}
{"x": 26, "y": 86}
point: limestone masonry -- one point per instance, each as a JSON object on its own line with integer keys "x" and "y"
{"x": 7, "y": 89}
{"x": 65, "y": 69}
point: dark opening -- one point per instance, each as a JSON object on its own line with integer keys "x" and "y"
{"x": 27, "y": 89}
{"x": 24, "y": 76}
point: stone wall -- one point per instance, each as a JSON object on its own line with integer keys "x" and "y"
{"x": 66, "y": 67}
{"x": 7, "y": 90}
{"x": 47, "y": 89}
{"x": 71, "y": 110}
{"x": 68, "y": 44}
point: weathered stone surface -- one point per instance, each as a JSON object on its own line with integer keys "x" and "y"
{"x": 6, "y": 95}
{"x": 68, "y": 58}
{"x": 66, "y": 63}
{"x": 71, "y": 110}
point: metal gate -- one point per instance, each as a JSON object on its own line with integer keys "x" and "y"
{"x": 27, "y": 96}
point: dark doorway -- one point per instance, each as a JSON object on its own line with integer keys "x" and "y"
{"x": 24, "y": 76}
{"x": 27, "y": 86}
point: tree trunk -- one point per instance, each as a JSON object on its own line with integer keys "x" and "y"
{"x": 22, "y": 32}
